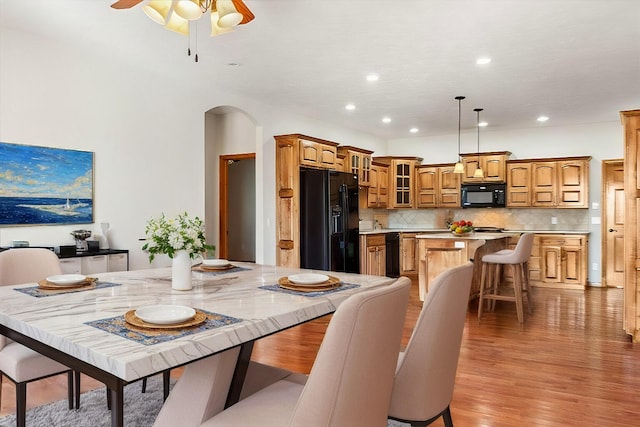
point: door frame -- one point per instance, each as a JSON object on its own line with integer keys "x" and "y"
{"x": 604, "y": 220}
{"x": 223, "y": 250}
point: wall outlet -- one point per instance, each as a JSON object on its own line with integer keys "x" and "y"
{"x": 554, "y": 220}
{"x": 594, "y": 266}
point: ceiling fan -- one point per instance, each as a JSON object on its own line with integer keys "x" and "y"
{"x": 236, "y": 7}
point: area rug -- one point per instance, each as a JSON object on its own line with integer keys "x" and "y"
{"x": 140, "y": 410}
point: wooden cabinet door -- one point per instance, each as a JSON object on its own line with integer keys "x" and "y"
{"x": 543, "y": 184}
{"x": 365, "y": 171}
{"x": 354, "y": 161}
{"x": 383, "y": 186}
{"x": 518, "y": 185}
{"x": 572, "y": 265}
{"x": 402, "y": 184}
{"x": 448, "y": 187}
{"x": 427, "y": 185}
{"x": 408, "y": 254}
{"x": 470, "y": 164}
{"x": 573, "y": 176}
{"x": 372, "y": 261}
{"x": 372, "y": 191}
{"x": 493, "y": 166}
{"x": 551, "y": 264}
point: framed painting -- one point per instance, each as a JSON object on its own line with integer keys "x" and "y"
{"x": 45, "y": 186}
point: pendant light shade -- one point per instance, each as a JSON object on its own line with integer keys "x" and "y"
{"x": 479, "y": 172}
{"x": 157, "y": 10}
{"x": 459, "y": 167}
{"x": 188, "y": 9}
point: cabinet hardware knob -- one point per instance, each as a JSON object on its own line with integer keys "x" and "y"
{"x": 611, "y": 230}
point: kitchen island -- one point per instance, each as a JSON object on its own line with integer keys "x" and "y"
{"x": 441, "y": 251}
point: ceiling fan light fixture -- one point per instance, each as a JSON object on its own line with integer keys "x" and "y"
{"x": 157, "y": 10}
{"x": 216, "y": 29}
{"x": 177, "y": 24}
{"x": 188, "y": 9}
{"x": 229, "y": 15}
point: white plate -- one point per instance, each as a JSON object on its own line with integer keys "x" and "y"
{"x": 215, "y": 262}
{"x": 66, "y": 279}
{"x": 165, "y": 314}
{"x": 308, "y": 278}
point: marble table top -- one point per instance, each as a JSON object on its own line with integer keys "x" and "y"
{"x": 61, "y": 320}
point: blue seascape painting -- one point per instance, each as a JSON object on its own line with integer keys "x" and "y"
{"x": 42, "y": 185}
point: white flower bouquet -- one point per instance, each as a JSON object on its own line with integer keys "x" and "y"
{"x": 170, "y": 235}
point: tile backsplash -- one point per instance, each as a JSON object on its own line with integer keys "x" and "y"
{"x": 516, "y": 219}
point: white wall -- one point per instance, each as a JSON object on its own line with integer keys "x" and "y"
{"x": 147, "y": 132}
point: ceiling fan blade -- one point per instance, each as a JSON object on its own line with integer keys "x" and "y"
{"x": 125, "y": 4}
{"x": 244, "y": 10}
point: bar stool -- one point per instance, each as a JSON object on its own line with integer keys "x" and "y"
{"x": 491, "y": 273}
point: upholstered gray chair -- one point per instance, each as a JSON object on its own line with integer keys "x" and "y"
{"x": 17, "y": 362}
{"x": 351, "y": 379}
{"x": 426, "y": 371}
{"x": 490, "y": 281}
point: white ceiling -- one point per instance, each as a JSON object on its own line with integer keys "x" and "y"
{"x": 576, "y": 61}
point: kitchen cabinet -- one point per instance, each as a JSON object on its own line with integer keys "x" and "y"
{"x": 631, "y": 133}
{"x": 518, "y": 184}
{"x": 556, "y": 261}
{"x": 437, "y": 186}
{"x": 373, "y": 255}
{"x": 548, "y": 183}
{"x": 94, "y": 263}
{"x": 408, "y": 254}
{"x": 493, "y": 165}
{"x": 357, "y": 161}
{"x": 293, "y": 151}
{"x": 340, "y": 161}
{"x": 401, "y": 180}
{"x": 378, "y": 191}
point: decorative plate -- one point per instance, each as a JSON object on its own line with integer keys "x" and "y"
{"x": 165, "y": 314}
{"x": 308, "y": 279}
{"x": 133, "y": 320}
{"x": 66, "y": 279}
{"x": 215, "y": 263}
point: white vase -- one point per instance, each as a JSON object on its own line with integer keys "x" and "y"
{"x": 181, "y": 271}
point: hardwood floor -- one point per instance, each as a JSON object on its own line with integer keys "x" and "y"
{"x": 569, "y": 364}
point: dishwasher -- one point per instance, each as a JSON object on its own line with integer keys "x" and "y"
{"x": 392, "y": 248}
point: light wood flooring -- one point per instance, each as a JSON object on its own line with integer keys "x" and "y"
{"x": 570, "y": 364}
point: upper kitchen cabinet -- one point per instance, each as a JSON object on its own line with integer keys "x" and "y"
{"x": 378, "y": 191}
{"x": 548, "y": 183}
{"x": 293, "y": 151}
{"x": 401, "y": 180}
{"x": 493, "y": 164}
{"x": 357, "y": 161}
{"x": 314, "y": 152}
{"x": 437, "y": 186}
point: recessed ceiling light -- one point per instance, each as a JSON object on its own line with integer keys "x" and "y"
{"x": 233, "y": 64}
{"x": 542, "y": 118}
{"x": 386, "y": 120}
{"x": 372, "y": 77}
{"x": 483, "y": 61}
{"x": 483, "y": 124}
{"x": 414, "y": 130}
{"x": 350, "y": 107}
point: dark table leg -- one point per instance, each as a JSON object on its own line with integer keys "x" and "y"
{"x": 240, "y": 372}
{"x": 117, "y": 406}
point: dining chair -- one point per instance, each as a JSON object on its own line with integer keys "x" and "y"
{"x": 426, "y": 371}
{"x": 17, "y": 362}
{"x": 351, "y": 379}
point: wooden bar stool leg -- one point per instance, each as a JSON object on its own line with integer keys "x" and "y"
{"x": 482, "y": 285}
{"x": 517, "y": 285}
{"x": 525, "y": 280}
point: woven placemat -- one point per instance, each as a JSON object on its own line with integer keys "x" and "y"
{"x": 315, "y": 293}
{"x": 38, "y": 292}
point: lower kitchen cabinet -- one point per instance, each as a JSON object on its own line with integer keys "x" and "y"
{"x": 373, "y": 254}
{"x": 557, "y": 261}
{"x": 408, "y": 254}
{"x": 96, "y": 263}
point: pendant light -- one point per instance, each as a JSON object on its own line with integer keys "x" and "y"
{"x": 459, "y": 168}
{"x": 478, "y": 173}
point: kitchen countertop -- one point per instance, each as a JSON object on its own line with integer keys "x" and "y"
{"x": 469, "y": 236}
{"x": 444, "y": 230}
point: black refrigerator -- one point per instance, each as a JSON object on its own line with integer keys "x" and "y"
{"x": 329, "y": 234}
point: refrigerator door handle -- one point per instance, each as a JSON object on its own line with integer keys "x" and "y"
{"x": 344, "y": 199}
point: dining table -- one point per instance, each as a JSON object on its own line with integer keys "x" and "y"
{"x": 94, "y": 328}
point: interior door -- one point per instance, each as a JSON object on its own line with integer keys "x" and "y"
{"x": 613, "y": 223}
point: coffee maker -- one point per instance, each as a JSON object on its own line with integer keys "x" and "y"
{"x": 81, "y": 239}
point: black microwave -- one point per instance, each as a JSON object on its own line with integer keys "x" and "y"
{"x": 487, "y": 195}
